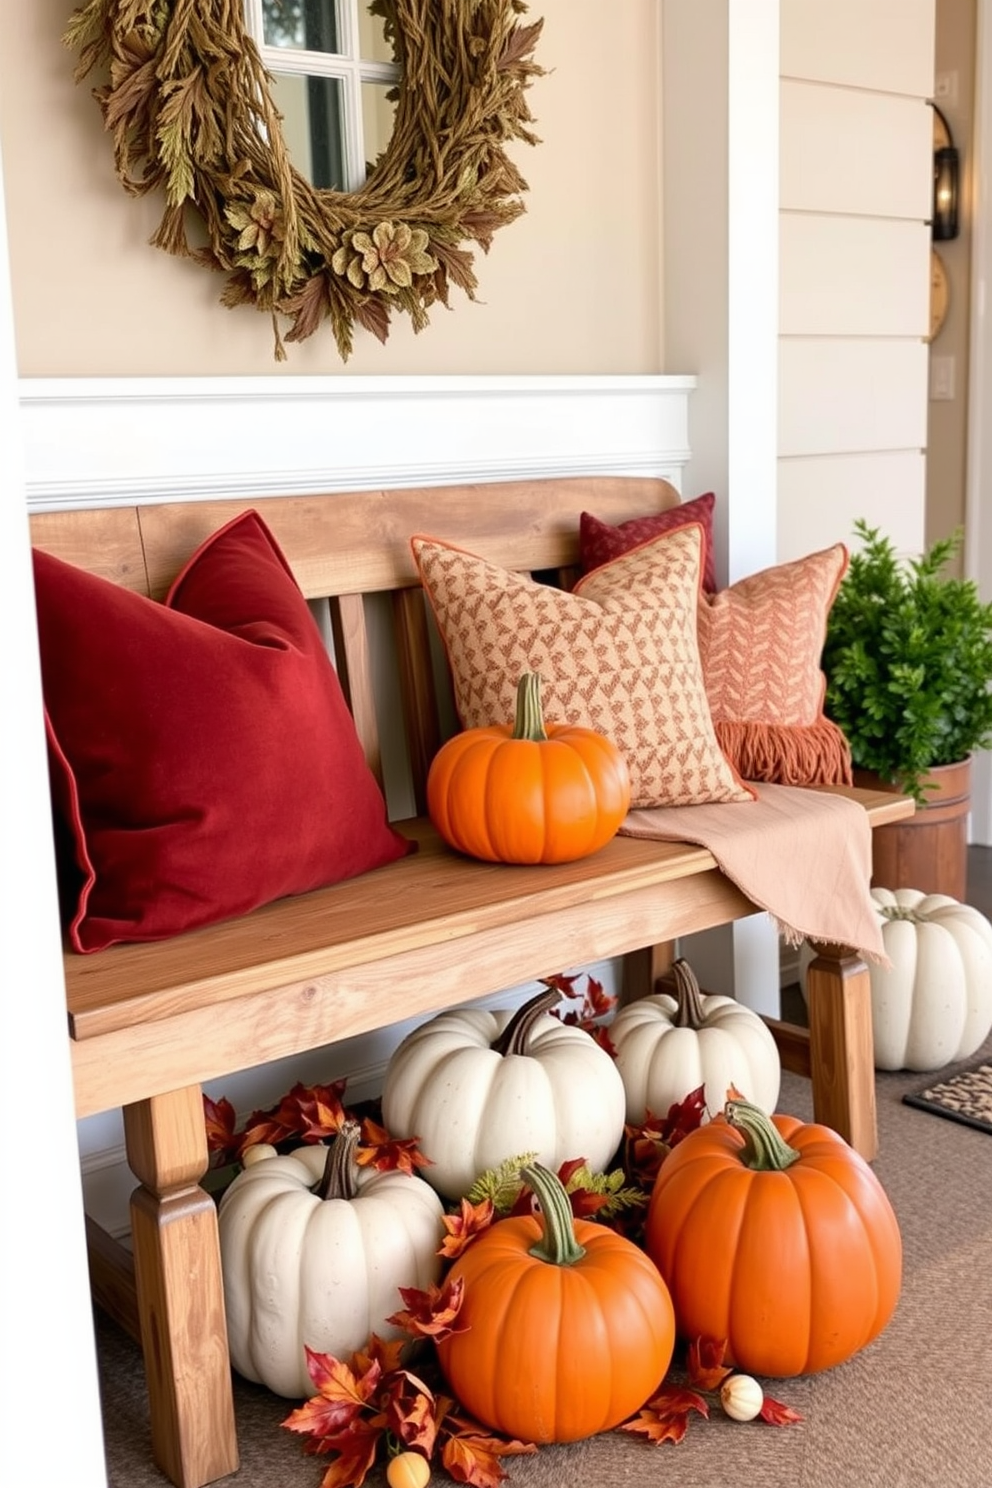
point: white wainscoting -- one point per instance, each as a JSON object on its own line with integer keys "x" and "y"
{"x": 106, "y": 442}
{"x": 109, "y": 441}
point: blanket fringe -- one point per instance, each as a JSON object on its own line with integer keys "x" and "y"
{"x": 785, "y": 754}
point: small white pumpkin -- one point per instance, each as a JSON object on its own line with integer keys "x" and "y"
{"x": 300, "y": 1268}
{"x": 477, "y": 1087}
{"x": 668, "y": 1046}
{"x": 934, "y": 1005}
{"x": 741, "y": 1397}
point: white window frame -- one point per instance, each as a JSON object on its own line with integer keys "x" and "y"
{"x": 346, "y": 66}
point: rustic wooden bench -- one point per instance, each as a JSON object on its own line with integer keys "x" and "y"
{"x": 149, "y": 1024}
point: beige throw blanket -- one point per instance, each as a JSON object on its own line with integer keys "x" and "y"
{"x": 803, "y": 855}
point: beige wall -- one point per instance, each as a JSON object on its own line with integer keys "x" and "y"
{"x": 572, "y": 287}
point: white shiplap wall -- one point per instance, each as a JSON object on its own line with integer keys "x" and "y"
{"x": 854, "y": 245}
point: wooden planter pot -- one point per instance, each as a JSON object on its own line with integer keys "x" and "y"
{"x": 929, "y": 851}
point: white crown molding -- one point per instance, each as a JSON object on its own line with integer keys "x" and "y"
{"x": 114, "y": 441}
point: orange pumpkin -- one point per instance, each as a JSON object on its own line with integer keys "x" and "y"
{"x": 777, "y": 1236}
{"x": 568, "y": 1326}
{"x": 533, "y": 793}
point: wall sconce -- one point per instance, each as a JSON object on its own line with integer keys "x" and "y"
{"x": 944, "y": 224}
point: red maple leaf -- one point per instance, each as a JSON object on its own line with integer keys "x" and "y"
{"x": 665, "y": 1417}
{"x": 704, "y": 1363}
{"x": 220, "y": 1120}
{"x": 777, "y": 1414}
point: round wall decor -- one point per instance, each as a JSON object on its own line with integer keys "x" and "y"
{"x": 188, "y": 103}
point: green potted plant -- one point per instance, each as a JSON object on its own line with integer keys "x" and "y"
{"x": 908, "y": 663}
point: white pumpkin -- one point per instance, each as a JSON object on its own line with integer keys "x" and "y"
{"x": 667, "y": 1046}
{"x": 302, "y": 1269}
{"x": 477, "y": 1087}
{"x": 934, "y": 1005}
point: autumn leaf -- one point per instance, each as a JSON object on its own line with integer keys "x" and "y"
{"x": 665, "y": 1417}
{"x": 463, "y": 1227}
{"x": 387, "y": 1353}
{"x": 357, "y": 1448}
{"x": 430, "y": 1314}
{"x": 704, "y": 1363}
{"x": 777, "y": 1414}
{"x": 388, "y": 1154}
{"x": 411, "y": 1412}
{"x": 596, "y": 1003}
{"x": 219, "y": 1119}
{"x": 472, "y": 1457}
{"x": 562, "y": 983}
{"x": 337, "y": 1381}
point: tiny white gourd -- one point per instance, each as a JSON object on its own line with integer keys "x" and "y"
{"x": 667, "y": 1046}
{"x": 934, "y": 1004}
{"x": 741, "y": 1397}
{"x": 477, "y": 1087}
{"x": 301, "y": 1269}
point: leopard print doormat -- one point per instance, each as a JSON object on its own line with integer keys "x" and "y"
{"x": 965, "y": 1097}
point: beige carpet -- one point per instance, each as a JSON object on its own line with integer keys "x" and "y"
{"x": 914, "y": 1410}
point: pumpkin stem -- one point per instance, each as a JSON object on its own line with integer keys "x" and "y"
{"x": 689, "y": 1012}
{"x": 529, "y": 722}
{"x": 559, "y": 1244}
{"x": 516, "y": 1035}
{"x": 340, "y": 1169}
{"x": 765, "y": 1149}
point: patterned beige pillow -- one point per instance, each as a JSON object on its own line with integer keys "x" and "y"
{"x": 618, "y": 655}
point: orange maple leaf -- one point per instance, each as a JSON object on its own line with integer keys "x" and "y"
{"x": 472, "y": 1457}
{"x": 464, "y": 1226}
{"x": 387, "y": 1353}
{"x": 430, "y": 1314}
{"x": 704, "y": 1362}
{"x": 777, "y": 1414}
{"x": 388, "y": 1154}
{"x": 337, "y": 1381}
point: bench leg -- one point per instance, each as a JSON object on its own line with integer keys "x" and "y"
{"x": 842, "y": 1055}
{"x": 180, "y": 1293}
{"x": 642, "y": 968}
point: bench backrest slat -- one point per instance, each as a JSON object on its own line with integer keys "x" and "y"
{"x": 346, "y": 545}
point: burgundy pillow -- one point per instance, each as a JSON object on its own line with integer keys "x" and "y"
{"x": 203, "y": 756}
{"x": 600, "y": 543}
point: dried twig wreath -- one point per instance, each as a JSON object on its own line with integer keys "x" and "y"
{"x": 189, "y": 107}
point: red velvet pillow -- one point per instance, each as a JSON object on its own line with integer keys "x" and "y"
{"x": 203, "y": 755}
{"x": 600, "y": 543}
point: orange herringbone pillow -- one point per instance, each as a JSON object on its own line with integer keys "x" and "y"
{"x": 618, "y": 655}
{"x": 760, "y": 643}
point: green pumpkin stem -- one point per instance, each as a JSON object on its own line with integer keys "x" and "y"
{"x": 340, "y": 1169}
{"x": 765, "y": 1149}
{"x": 529, "y": 722}
{"x": 689, "y": 1012}
{"x": 515, "y": 1037}
{"x": 558, "y": 1245}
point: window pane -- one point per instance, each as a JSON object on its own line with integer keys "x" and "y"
{"x": 378, "y": 114}
{"x": 311, "y": 24}
{"x": 372, "y": 43}
{"x": 311, "y": 109}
